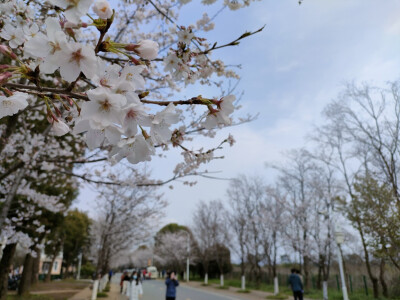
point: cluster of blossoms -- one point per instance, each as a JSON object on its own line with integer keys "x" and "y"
{"x": 232, "y": 4}
{"x": 74, "y": 76}
{"x": 113, "y": 111}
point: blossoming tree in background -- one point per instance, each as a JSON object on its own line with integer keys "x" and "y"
{"x": 82, "y": 83}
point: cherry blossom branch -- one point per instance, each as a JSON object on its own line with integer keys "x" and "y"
{"x": 161, "y": 12}
{"x": 233, "y": 43}
{"x": 22, "y": 87}
{"x": 80, "y": 161}
{"x": 191, "y": 101}
{"x": 11, "y": 170}
{"x": 143, "y": 184}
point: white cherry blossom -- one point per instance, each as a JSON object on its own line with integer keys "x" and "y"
{"x": 135, "y": 114}
{"x": 14, "y": 35}
{"x": 107, "y": 75}
{"x": 136, "y": 150}
{"x": 160, "y": 132}
{"x": 76, "y": 58}
{"x": 74, "y": 10}
{"x": 221, "y": 116}
{"x": 102, "y": 9}
{"x": 104, "y": 107}
{"x": 132, "y": 74}
{"x": 171, "y": 62}
{"x": 185, "y": 36}
{"x": 60, "y": 128}
{"x": 13, "y": 104}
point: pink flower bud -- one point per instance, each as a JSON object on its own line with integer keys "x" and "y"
{"x": 131, "y": 47}
{"x": 7, "y": 51}
{"x": 2, "y": 67}
{"x": 4, "y": 76}
{"x": 146, "y": 49}
{"x": 69, "y": 24}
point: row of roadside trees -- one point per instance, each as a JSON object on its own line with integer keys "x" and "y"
{"x": 347, "y": 175}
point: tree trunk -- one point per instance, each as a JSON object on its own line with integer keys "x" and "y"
{"x": 368, "y": 265}
{"x": 25, "y": 283}
{"x": 5, "y": 263}
{"x": 385, "y": 292}
{"x": 306, "y": 263}
{"x": 48, "y": 275}
{"x": 6, "y": 205}
{"x": 319, "y": 276}
{"x": 35, "y": 268}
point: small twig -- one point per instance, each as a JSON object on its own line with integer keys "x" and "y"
{"x": 233, "y": 43}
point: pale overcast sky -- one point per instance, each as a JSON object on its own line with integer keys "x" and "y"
{"x": 290, "y": 71}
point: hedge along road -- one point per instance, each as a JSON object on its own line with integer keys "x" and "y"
{"x": 155, "y": 290}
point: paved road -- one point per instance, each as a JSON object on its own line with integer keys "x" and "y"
{"x": 155, "y": 290}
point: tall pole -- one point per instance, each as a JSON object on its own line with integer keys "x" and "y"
{"x": 344, "y": 287}
{"x": 339, "y": 237}
{"x": 78, "y": 276}
{"x": 187, "y": 261}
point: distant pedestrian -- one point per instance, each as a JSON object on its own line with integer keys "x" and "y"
{"x": 124, "y": 282}
{"x": 171, "y": 282}
{"x": 135, "y": 291}
{"x": 299, "y": 274}
{"x": 110, "y": 274}
{"x": 296, "y": 285}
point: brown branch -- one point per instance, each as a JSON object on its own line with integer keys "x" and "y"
{"x": 10, "y": 170}
{"x": 53, "y": 91}
{"x": 191, "y": 101}
{"x": 233, "y": 43}
{"x": 143, "y": 184}
{"x": 81, "y": 161}
{"x": 23, "y": 88}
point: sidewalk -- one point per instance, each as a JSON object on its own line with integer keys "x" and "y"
{"x": 84, "y": 294}
{"x": 113, "y": 294}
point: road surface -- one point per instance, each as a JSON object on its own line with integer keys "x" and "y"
{"x": 155, "y": 290}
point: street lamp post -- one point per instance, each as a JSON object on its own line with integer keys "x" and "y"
{"x": 339, "y": 237}
{"x": 187, "y": 260}
{"x": 78, "y": 276}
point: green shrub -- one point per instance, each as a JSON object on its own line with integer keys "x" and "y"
{"x": 224, "y": 287}
{"x": 87, "y": 270}
{"x": 102, "y": 295}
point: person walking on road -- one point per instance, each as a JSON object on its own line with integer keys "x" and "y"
{"x": 296, "y": 285}
{"x": 171, "y": 282}
{"x": 124, "y": 282}
{"x": 135, "y": 291}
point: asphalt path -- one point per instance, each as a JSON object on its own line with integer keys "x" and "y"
{"x": 155, "y": 290}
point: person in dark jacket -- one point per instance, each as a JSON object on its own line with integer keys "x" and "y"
{"x": 171, "y": 282}
{"x": 296, "y": 285}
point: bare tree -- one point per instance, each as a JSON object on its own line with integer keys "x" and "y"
{"x": 273, "y": 211}
{"x": 295, "y": 180}
{"x": 247, "y": 196}
{"x": 212, "y": 231}
{"x": 170, "y": 250}
{"x": 202, "y": 228}
{"x": 362, "y": 129}
{"x": 126, "y": 218}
